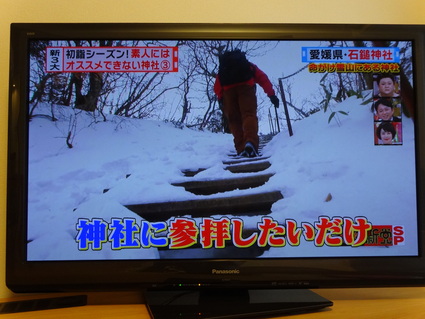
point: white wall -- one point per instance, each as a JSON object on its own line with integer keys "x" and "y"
{"x": 217, "y": 11}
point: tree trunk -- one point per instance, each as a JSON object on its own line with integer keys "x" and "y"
{"x": 88, "y": 102}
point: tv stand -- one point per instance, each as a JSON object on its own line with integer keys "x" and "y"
{"x": 233, "y": 303}
{"x": 42, "y": 304}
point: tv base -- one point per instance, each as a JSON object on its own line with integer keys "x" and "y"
{"x": 43, "y": 304}
{"x": 225, "y": 303}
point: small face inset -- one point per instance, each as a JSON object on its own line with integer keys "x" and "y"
{"x": 386, "y": 137}
{"x": 386, "y": 87}
{"x": 384, "y": 112}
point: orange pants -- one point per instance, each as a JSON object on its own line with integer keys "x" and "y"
{"x": 240, "y": 109}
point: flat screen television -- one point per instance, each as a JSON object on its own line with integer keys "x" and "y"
{"x": 126, "y": 170}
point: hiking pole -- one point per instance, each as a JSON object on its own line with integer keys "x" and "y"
{"x": 277, "y": 120}
{"x": 271, "y": 123}
{"x": 285, "y": 106}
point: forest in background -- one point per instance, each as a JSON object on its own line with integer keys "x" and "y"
{"x": 186, "y": 98}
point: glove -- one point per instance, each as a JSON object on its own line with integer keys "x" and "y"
{"x": 275, "y": 100}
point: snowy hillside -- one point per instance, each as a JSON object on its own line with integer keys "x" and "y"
{"x": 136, "y": 160}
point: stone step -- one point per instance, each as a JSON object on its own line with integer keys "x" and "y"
{"x": 240, "y": 160}
{"x": 191, "y": 172}
{"x": 208, "y": 187}
{"x": 250, "y": 167}
{"x": 243, "y": 205}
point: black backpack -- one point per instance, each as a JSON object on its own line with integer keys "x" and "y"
{"x": 234, "y": 67}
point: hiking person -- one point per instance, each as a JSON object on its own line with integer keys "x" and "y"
{"x": 235, "y": 87}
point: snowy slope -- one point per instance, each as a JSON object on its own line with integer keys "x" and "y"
{"x": 136, "y": 160}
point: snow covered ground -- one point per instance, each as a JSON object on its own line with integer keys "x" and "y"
{"x": 377, "y": 182}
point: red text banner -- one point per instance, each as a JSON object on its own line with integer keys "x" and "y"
{"x": 112, "y": 59}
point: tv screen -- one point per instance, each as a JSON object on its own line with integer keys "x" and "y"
{"x": 215, "y": 156}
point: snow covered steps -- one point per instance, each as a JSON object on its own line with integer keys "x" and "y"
{"x": 245, "y": 205}
{"x": 215, "y": 197}
{"x": 236, "y": 165}
{"x": 208, "y": 187}
{"x": 215, "y": 194}
{"x": 248, "y": 166}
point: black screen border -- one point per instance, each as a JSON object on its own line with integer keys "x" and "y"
{"x": 23, "y": 276}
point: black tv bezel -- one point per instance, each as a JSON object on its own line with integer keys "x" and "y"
{"x": 24, "y": 276}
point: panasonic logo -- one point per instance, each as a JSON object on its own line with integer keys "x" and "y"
{"x": 226, "y": 271}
